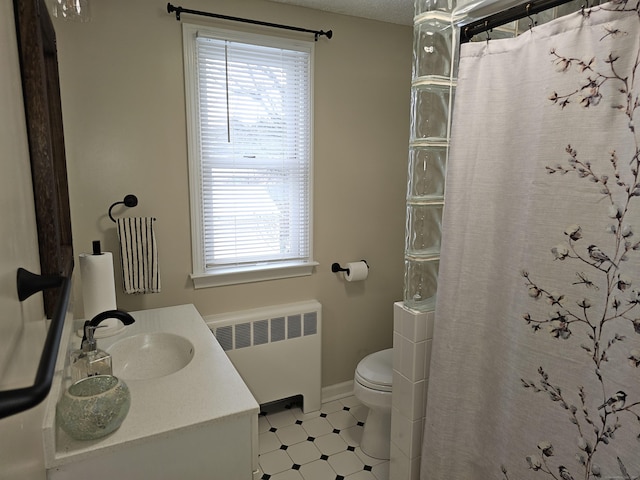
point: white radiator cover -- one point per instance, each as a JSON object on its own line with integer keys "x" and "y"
{"x": 276, "y": 350}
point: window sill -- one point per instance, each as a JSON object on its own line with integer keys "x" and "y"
{"x": 238, "y": 275}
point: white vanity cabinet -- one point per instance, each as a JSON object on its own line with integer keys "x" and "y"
{"x": 200, "y": 422}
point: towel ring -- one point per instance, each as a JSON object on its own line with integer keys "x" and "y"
{"x": 129, "y": 201}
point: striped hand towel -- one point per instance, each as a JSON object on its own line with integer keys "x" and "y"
{"x": 139, "y": 254}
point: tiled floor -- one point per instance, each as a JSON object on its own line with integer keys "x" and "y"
{"x": 321, "y": 445}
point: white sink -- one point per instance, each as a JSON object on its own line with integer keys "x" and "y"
{"x": 150, "y": 355}
{"x": 189, "y": 409}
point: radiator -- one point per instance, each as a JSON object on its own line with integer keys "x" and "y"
{"x": 275, "y": 349}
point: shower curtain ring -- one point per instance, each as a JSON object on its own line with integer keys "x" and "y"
{"x": 584, "y": 6}
{"x": 531, "y": 22}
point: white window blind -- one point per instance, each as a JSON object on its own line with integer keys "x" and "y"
{"x": 253, "y": 103}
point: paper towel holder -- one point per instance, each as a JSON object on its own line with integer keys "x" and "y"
{"x": 129, "y": 201}
{"x": 335, "y": 267}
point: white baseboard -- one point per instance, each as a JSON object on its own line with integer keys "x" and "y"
{"x": 337, "y": 391}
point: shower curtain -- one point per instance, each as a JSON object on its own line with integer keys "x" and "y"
{"x": 535, "y": 368}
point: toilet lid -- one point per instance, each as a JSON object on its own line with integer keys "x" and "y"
{"x": 375, "y": 371}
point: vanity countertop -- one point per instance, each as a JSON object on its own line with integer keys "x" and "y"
{"x": 208, "y": 390}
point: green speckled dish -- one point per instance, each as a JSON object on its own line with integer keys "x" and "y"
{"x": 93, "y": 407}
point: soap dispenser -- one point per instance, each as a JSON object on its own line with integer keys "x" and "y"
{"x": 89, "y": 360}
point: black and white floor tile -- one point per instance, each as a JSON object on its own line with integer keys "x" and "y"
{"x": 323, "y": 445}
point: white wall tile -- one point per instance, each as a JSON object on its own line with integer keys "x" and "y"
{"x": 402, "y": 391}
{"x": 411, "y": 324}
{"x": 412, "y": 344}
{"x": 407, "y": 434}
{"x": 412, "y": 359}
{"x": 401, "y": 431}
{"x": 421, "y": 332}
{"x": 420, "y": 361}
{"x": 398, "y": 311}
{"x": 414, "y": 468}
{"x": 397, "y": 350}
{"x": 408, "y": 397}
{"x": 405, "y": 356}
{"x": 399, "y": 465}
{"x": 425, "y": 397}
{"x": 406, "y": 359}
{"x": 418, "y": 403}
{"x": 427, "y": 357}
{"x": 430, "y": 322}
{"x": 403, "y": 468}
{"x": 420, "y": 327}
{"x": 417, "y": 433}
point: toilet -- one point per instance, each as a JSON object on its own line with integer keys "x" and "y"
{"x": 372, "y": 386}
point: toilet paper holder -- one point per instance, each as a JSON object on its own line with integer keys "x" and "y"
{"x": 335, "y": 267}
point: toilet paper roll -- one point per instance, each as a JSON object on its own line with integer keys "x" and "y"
{"x": 356, "y": 271}
{"x": 98, "y": 288}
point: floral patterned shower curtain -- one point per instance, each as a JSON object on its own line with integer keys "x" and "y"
{"x": 535, "y": 369}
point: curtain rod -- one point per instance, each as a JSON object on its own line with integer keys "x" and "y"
{"x": 180, "y": 10}
{"x": 509, "y": 15}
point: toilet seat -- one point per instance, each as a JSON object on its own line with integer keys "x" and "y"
{"x": 375, "y": 371}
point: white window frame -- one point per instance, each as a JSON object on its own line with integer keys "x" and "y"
{"x": 218, "y": 276}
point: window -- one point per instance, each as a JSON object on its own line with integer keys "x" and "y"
{"x": 249, "y": 124}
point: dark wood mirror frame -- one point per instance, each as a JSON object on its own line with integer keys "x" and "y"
{"x": 43, "y": 112}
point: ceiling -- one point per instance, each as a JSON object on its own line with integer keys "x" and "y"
{"x": 393, "y": 11}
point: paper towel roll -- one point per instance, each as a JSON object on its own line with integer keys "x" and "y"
{"x": 356, "y": 271}
{"x": 98, "y": 288}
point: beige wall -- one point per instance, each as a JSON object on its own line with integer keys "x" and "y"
{"x": 22, "y": 327}
{"x": 124, "y": 113}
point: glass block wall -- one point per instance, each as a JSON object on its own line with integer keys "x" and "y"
{"x": 435, "y": 58}
{"x": 432, "y": 90}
